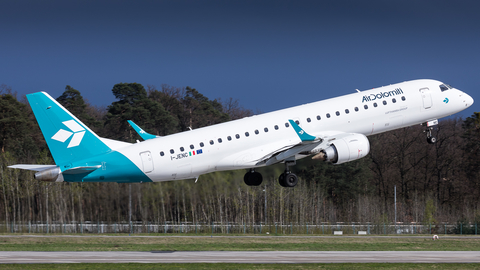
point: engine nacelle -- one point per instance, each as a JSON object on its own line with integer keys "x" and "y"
{"x": 49, "y": 175}
{"x": 346, "y": 149}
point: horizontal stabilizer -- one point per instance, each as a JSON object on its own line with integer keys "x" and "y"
{"x": 80, "y": 170}
{"x": 32, "y": 167}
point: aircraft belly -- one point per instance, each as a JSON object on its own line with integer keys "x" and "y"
{"x": 251, "y": 157}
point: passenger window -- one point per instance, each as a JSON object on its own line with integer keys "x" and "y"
{"x": 365, "y": 106}
{"x": 237, "y": 136}
{"x": 256, "y": 131}
{"x": 265, "y": 129}
{"x": 309, "y": 120}
{"x": 201, "y": 144}
{"x": 375, "y": 105}
{"x": 337, "y": 113}
{"x": 229, "y": 138}
{"x": 182, "y": 149}
{"x": 171, "y": 151}
{"x": 247, "y": 134}
{"x": 191, "y": 146}
{"x": 384, "y": 102}
{"x": 318, "y": 117}
{"x": 287, "y": 124}
{"x": 328, "y": 115}
{"x": 219, "y": 140}
{"x": 276, "y": 127}
{"x": 162, "y": 154}
{"x": 298, "y": 122}
{"x": 356, "y": 109}
{"x": 347, "y": 111}
{"x": 403, "y": 98}
{"x": 211, "y": 142}
{"x": 394, "y": 100}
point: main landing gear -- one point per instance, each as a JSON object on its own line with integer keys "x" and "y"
{"x": 286, "y": 179}
{"x": 253, "y": 178}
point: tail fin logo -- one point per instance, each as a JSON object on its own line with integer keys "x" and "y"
{"x": 77, "y": 131}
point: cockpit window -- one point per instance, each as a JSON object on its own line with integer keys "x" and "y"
{"x": 445, "y": 87}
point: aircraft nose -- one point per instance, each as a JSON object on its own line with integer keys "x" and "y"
{"x": 468, "y": 100}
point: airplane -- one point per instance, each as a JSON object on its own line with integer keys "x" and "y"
{"x": 333, "y": 130}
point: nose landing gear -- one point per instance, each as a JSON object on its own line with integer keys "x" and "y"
{"x": 430, "y": 124}
{"x": 430, "y": 138}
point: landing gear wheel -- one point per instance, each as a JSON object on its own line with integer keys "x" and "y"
{"x": 430, "y": 138}
{"x": 291, "y": 180}
{"x": 281, "y": 180}
{"x": 288, "y": 179}
{"x": 253, "y": 178}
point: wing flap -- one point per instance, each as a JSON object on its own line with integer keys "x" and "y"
{"x": 293, "y": 151}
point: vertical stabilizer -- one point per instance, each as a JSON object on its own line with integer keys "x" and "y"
{"x": 67, "y": 137}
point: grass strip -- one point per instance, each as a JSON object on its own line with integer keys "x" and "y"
{"x": 133, "y": 243}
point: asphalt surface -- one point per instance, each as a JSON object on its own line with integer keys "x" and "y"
{"x": 241, "y": 257}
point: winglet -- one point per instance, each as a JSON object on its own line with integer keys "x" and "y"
{"x": 304, "y": 136}
{"x": 141, "y": 132}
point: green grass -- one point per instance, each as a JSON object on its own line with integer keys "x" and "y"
{"x": 144, "y": 266}
{"x": 301, "y": 243}
{"x": 216, "y": 243}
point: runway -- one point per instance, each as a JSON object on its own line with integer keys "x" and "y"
{"x": 240, "y": 257}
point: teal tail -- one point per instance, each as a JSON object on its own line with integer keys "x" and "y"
{"x": 67, "y": 137}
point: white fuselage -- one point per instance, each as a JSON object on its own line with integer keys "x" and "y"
{"x": 416, "y": 102}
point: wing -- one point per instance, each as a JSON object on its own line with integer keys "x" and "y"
{"x": 334, "y": 146}
{"x": 307, "y": 144}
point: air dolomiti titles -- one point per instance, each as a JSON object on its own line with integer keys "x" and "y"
{"x": 372, "y": 97}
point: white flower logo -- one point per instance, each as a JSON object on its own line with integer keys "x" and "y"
{"x": 78, "y": 132}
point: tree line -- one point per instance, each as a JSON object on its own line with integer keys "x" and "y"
{"x": 434, "y": 183}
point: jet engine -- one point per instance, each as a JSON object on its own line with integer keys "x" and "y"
{"x": 49, "y": 175}
{"x": 344, "y": 149}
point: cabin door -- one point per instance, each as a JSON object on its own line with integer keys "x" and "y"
{"x": 426, "y": 97}
{"x": 147, "y": 161}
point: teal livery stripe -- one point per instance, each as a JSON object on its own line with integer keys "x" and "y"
{"x": 115, "y": 167}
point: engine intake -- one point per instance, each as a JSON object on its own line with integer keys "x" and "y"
{"x": 49, "y": 175}
{"x": 346, "y": 149}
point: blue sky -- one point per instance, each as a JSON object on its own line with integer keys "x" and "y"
{"x": 267, "y": 54}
